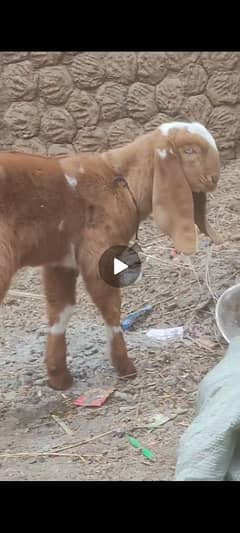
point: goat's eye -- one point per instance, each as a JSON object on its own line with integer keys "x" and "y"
{"x": 188, "y": 150}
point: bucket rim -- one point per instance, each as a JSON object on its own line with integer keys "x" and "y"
{"x": 217, "y": 308}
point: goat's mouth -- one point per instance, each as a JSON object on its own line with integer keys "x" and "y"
{"x": 202, "y": 189}
{"x": 205, "y": 185}
{"x": 209, "y": 183}
{"x": 212, "y": 187}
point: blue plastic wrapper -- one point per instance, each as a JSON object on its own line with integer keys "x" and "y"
{"x": 128, "y": 322}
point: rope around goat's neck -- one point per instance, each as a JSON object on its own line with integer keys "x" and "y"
{"x": 121, "y": 178}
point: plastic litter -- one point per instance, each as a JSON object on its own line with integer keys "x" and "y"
{"x": 166, "y": 334}
{"x": 145, "y": 451}
{"x": 128, "y": 322}
{"x": 93, "y": 397}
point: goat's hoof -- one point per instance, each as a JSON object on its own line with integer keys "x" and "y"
{"x": 61, "y": 382}
{"x": 128, "y": 371}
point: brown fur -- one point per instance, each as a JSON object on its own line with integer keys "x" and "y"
{"x": 45, "y": 221}
{"x": 166, "y": 186}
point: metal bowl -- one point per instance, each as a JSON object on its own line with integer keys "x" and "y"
{"x": 227, "y": 313}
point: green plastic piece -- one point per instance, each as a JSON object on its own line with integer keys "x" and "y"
{"x": 136, "y": 444}
{"x": 147, "y": 453}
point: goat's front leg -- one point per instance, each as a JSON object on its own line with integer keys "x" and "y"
{"x": 60, "y": 287}
{"x": 108, "y": 301}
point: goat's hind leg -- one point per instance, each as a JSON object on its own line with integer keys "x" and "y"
{"x": 60, "y": 288}
{"x": 7, "y": 266}
{"x": 7, "y": 270}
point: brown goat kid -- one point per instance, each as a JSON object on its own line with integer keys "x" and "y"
{"x": 63, "y": 213}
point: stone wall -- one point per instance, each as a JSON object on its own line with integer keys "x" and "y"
{"x": 56, "y": 103}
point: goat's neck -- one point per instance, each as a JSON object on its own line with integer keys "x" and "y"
{"x": 135, "y": 162}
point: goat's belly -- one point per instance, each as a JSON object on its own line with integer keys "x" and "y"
{"x": 68, "y": 260}
{"x": 53, "y": 251}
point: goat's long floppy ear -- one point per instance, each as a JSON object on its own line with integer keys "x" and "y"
{"x": 172, "y": 202}
{"x": 200, "y": 216}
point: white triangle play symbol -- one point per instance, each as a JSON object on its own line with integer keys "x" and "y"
{"x": 118, "y": 266}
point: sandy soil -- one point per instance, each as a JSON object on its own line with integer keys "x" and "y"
{"x": 184, "y": 294}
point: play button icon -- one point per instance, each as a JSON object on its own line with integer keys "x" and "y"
{"x": 120, "y": 266}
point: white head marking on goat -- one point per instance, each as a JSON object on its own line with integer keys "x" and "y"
{"x": 192, "y": 127}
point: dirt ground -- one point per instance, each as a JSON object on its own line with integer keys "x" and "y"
{"x": 94, "y": 444}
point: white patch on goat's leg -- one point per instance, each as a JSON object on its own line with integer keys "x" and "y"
{"x": 111, "y": 331}
{"x": 118, "y": 351}
{"x": 59, "y": 327}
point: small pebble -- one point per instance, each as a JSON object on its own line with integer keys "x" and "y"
{"x": 92, "y": 351}
{"x": 28, "y": 380}
{"x": 122, "y": 396}
{"x": 40, "y": 381}
{"x": 10, "y": 396}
